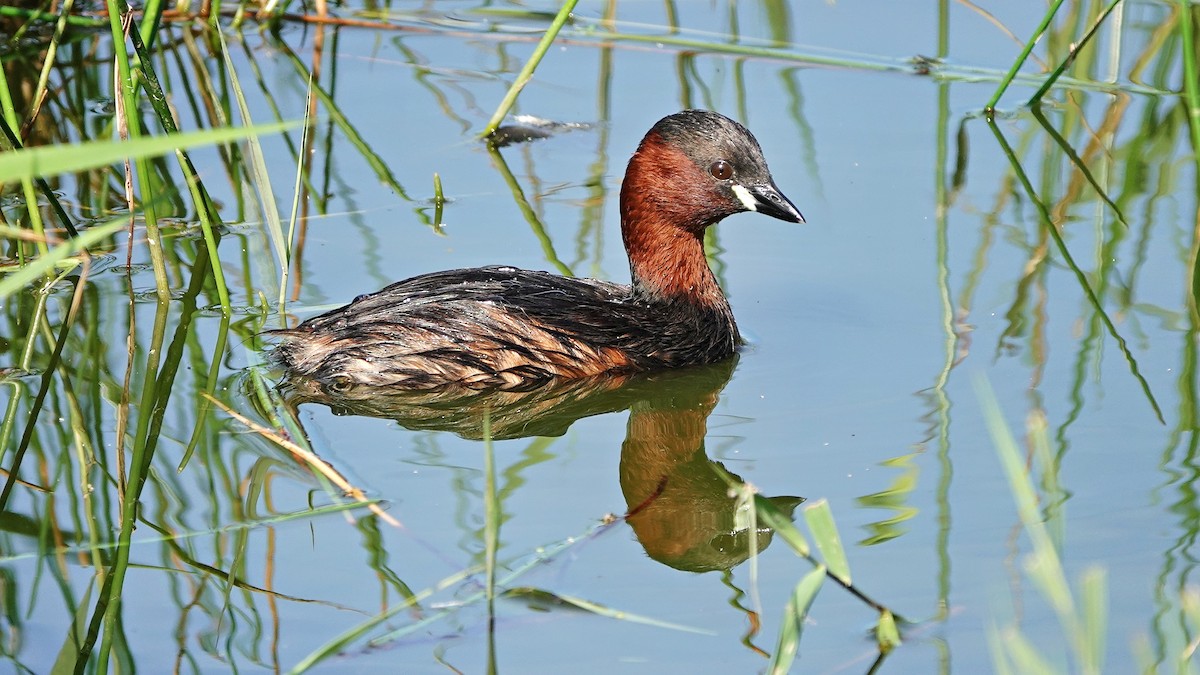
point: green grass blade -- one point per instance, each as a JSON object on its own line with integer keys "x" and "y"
{"x": 543, "y": 555}
{"x": 793, "y": 620}
{"x": 157, "y": 99}
{"x": 1191, "y": 85}
{"x": 829, "y": 543}
{"x": 783, "y": 526}
{"x": 259, "y": 177}
{"x": 1075, "y": 159}
{"x": 526, "y": 73}
{"x": 990, "y": 108}
{"x": 44, "y": 161}
{"x": 33, "y": 15}
{"x": 1075, "y": 47}
{"x": 528, "y": 212}
{"x": 1021, "y": 487}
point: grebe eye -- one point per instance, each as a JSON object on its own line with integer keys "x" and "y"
{"x": 721, "y": 170}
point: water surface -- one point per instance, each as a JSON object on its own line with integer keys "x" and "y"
{"x": 926, "y": 270}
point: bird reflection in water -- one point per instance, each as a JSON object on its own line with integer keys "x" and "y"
{"x": 679, "y": 502}
{"x": 679, "y": 505}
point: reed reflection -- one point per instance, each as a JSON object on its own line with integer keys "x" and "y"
{"x": 678, "y": 504}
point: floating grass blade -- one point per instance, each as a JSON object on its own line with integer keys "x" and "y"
{"x": 543, "y": 555}
{"x": 598, "y": 609}
{"x": 309, "y": 458}
{"x": 825, "y": 534}
{"x": 526, "y": 73}
{"x": 341, "y": 641}
{"x": 794, "y": 617}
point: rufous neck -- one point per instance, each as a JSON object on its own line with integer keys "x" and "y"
{"x": 668, "y": 263}
{"x": 663, "y": 230}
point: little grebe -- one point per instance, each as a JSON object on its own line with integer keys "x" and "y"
{"x": 507, "y": 328}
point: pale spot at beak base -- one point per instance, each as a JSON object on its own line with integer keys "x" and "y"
{"x": 745, "y": 198}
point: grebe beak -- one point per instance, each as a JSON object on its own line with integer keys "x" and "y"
{"x": 768, "y": 200}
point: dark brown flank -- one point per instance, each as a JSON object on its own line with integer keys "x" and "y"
{"x": 499, "y": 327}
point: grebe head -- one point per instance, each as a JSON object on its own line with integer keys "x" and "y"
{"x": 691, "y": 170}
{"x": 697, "y": 167}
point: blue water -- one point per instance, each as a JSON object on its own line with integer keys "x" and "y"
{"x": 871, "y": 329}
